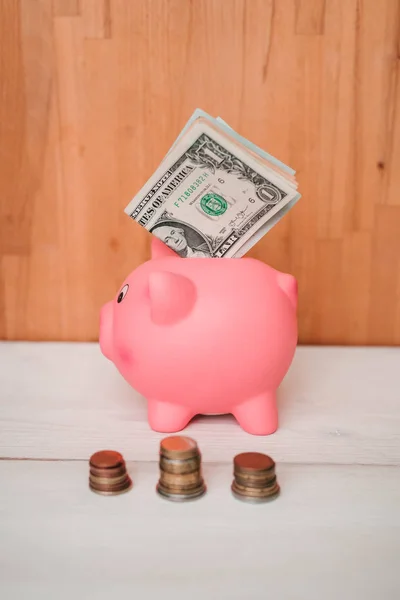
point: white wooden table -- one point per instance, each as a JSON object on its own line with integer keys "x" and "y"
{"x": 334, "y": 533}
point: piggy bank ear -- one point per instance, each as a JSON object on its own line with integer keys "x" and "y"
{"x": 161, "y": 250}
{"x": 288, "y": 284}
{"x": 172, "y": 297}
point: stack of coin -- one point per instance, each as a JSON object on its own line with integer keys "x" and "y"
{"x": 254, "y": 477}
{"x": 180, "y": 469}
{"x": 108, "y": 475}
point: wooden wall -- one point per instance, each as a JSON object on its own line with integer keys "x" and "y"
{"x": 92, "y": 94}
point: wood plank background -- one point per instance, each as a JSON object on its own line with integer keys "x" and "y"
{"x": 93, "y": 93}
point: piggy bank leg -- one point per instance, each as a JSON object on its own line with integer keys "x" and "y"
{"x": 258, "y": 415}
{"x": 168, "y": 418}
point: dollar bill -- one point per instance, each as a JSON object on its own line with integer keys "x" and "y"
{"x": 223, "y": 126}
{"x": 215, "y": 194}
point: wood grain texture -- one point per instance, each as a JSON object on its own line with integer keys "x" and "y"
{"x": 96, "y": 19}
{"x": 66, "y": 8}
{"x": 65, "y": 401}
{"x": 93, "y": 93}
{"x": 310, "y": 17}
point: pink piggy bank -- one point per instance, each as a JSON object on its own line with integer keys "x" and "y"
{"x": 203, "y": 336}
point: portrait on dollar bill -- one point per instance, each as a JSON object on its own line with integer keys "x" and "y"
{"x": 185, "y": 240}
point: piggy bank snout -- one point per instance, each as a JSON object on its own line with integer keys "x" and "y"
{"x": 106, "y": 330}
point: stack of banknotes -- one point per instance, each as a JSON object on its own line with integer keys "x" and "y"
{"x": 215, "y": 194}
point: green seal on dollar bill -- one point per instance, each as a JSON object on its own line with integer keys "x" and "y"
{"x": 213, "y": 204}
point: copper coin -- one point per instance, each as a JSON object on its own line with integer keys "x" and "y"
{"x": 117, "y": 472}
{"x": 180, "y": 489}
{"x": 112, "y": 486}
{"x": 177, "y": 446}
{"x": 102, "y": 487}
{"x": 176, "y": 479}
{"x": 108, "y": 480}
{"x": 255, "y": 475}
{"x": 259, "y": 484}
{"x": 111, "y": 493}
{"x": 253, "y": 461}
{"x": 106, "y": 459}
{"x": 251, "y": 491}
{"x": 188, "y": 465}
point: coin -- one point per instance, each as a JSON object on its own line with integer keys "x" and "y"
{"x": 254, "y": 477}
{"x": 180, "y": 469}
{"x": 108, "y": 475}
{"x": 181, "y": 489}
{"x": 102, "y": 487}
{"x": 108, "y": 480}
{"x": 252, "y": 491}
{"x": 255, "y": 483}
{"x": 112, "y": 493}
{"x": 254, "y": 499}
{"x": 106, "y": 459}
{"x": 253, "y": 461}
{"x": 178, "y": 447}
{"x": 180, "y": 497}
{"x": 179, "y": 480}
{"x": 180, "y": 466}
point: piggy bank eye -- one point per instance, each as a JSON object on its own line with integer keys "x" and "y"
{"x": 123, "y": 293}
